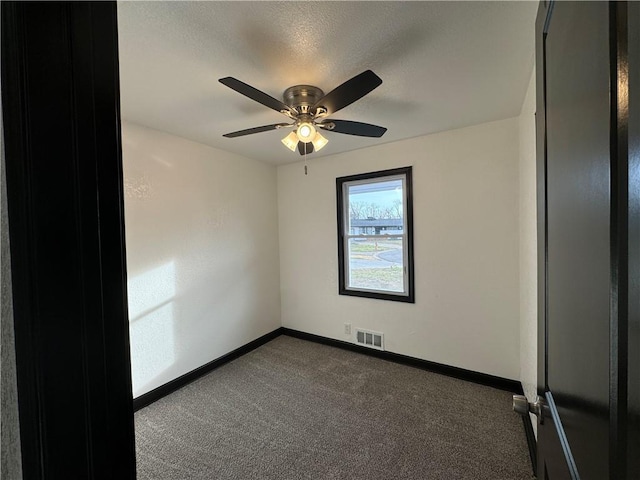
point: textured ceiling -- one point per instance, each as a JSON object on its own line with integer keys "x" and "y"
{"x": 444, "y": 65}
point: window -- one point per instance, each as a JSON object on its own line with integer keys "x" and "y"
{"x": 375, "y": 235}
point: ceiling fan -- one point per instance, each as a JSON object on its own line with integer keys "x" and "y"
{"x": 309, "y": 108}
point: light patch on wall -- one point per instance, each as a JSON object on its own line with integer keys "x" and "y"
{"x": 137, "y": 187}
{"x": 151, "y": 297}
{"x": 162, "y": 161}
{"x": 152, "y": 345}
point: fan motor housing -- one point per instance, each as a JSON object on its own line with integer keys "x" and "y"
{"x": 302, "y": 97}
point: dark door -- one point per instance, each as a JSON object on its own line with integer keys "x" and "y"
{"x": 583, "y": 167}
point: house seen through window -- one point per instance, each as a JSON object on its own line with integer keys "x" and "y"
{"x": 375, "y": 244}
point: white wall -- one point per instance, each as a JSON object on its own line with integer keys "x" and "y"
{"x": 202, "y": 253}
{"x": 466, "y": 249}
{"x": 528, "y": 246}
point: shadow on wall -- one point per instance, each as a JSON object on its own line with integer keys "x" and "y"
{"x": 151, "y": 318}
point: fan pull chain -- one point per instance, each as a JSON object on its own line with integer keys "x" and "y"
{"x": 305, "y": 160}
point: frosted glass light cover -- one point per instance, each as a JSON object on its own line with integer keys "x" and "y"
{"x": 291, "y": 141}
{"x": 319, "y": 141}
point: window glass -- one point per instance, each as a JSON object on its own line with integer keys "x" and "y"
{"x": 375, "y": 241}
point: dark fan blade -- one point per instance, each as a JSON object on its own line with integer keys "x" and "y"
{"x": 355, "y": 128}
{"x": 249, "y": 131}
{"x": 349, "y": 92}
{"x": 302, "y": 146}
{"x": 255, "y": 94}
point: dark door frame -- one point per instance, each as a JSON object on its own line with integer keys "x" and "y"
{"x": 61, "y": 111}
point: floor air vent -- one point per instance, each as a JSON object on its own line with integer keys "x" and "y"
{"x": 370, "y": 339}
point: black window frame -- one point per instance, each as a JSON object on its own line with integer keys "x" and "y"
{"x": 409, "y": 296}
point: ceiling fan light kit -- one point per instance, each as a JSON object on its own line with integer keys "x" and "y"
{"x": 308, "y": 107}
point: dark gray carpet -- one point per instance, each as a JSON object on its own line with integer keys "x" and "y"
{"x": 293, "y": 409}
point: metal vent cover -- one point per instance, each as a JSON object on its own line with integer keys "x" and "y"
{"x": 370, "y": 339}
